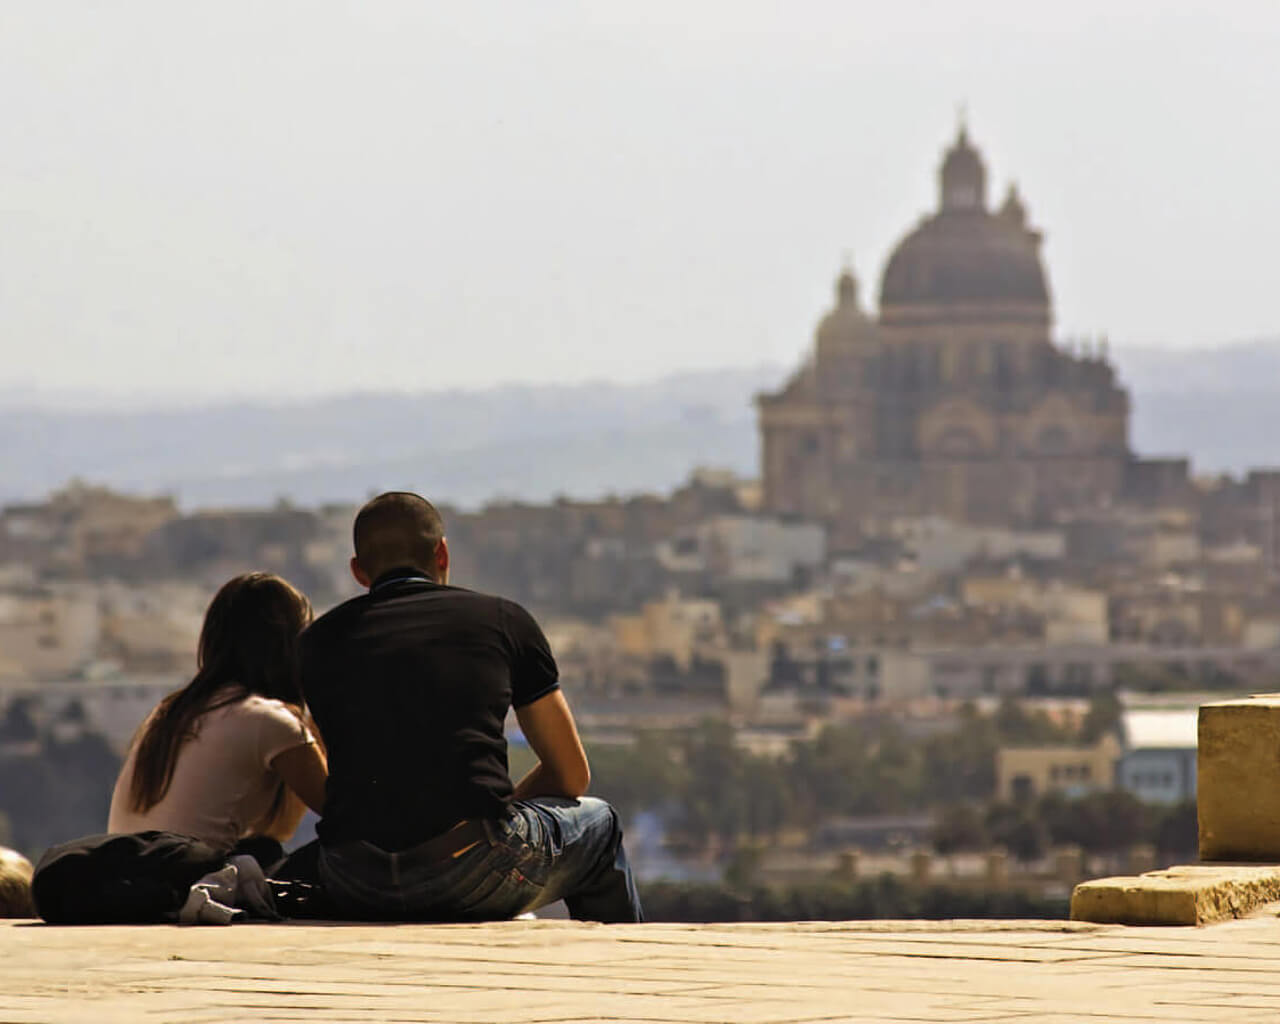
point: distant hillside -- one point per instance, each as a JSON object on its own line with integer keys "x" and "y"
{"x": 1217, "y": 405}
{"x": 527, "y": 442}
{"x": 1221, "y": 406}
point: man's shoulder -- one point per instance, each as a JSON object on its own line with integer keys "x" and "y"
{"x": 494, "y": 607}
{"x": 334, "y": 619}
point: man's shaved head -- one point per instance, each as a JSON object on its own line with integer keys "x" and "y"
{"x": 398, "y": 530}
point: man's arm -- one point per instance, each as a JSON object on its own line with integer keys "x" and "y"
{"x": 562, "y": 768}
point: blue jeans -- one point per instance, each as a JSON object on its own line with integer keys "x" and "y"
{"x": 546, "y": 849}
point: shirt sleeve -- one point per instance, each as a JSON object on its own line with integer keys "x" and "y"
{"x": 279, "y": 729}
{"x": 533, "y": 668}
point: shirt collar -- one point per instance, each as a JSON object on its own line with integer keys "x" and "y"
{"x": 398, "y": 575}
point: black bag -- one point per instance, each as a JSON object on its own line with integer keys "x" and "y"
{"x": 129, "y": 878}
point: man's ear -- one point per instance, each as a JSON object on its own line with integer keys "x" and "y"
{"x": 442, "y": 561}
{"x": 361, "y": 576}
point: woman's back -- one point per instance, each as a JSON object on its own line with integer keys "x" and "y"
{"x": 223, "y": 786}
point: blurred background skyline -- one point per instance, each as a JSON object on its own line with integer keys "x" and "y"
{"x": 289, "y": 201}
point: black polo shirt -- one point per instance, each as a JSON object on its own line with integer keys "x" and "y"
{"x": 410, "y": 685}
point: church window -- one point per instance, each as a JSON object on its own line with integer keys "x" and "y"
{"x": 957, "y": 441}
{"x": 1054, "y": 440}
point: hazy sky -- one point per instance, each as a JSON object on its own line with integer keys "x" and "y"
{"x": 267, "y": 197}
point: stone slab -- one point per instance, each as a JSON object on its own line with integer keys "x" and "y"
{"x": 1189, "y": 894}
{"x": 539, "y": 972}
{"x": 1238, "y": 779}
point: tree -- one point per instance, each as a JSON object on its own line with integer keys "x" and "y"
{"x": 1177, "y": 830}
{"x": 960, "y": 827}
{"x": 1019, "y": 829}
{"x": 1018, "y": 726}
{"x": 714, "y": 804}
{"x": 19, "y": 725}
{"x": 1099, "y": 822}
{"x": 60, "y": 793}
{"x": 1102, "y": 717}
{"x": 766, "y": 784}
{"x": 961, "y": 765}
{"x": 645, "y": 775}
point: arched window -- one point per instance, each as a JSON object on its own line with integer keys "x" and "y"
{"x": 958, "y": 442}
{"x": 1053, "y": 440}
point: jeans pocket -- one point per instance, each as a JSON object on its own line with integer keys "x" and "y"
{"x": 480, "y": 895}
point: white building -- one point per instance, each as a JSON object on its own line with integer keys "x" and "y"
{"x": 1158, "y": 765}
{"x": 747, "y": 549}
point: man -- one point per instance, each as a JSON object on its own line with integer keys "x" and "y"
{"x": 410, "y": 685}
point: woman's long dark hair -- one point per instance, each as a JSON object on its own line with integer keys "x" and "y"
{"x": 248, "y": 645}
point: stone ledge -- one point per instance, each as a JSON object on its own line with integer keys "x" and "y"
{"x": 1189, "y": 894}
{"x": 1238, "y": 796}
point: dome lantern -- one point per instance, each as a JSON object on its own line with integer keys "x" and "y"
{"x": 1013, "y": 210}
{"x": 846, "y": 289}
{"x": 963, "y": 179}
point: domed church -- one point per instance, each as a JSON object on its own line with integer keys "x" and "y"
{"x": 954, "y": 400}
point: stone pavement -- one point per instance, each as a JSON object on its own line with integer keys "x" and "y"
{"x": 520, "y": 972}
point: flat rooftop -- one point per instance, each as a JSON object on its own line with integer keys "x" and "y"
{"x": 1028, "y": 972}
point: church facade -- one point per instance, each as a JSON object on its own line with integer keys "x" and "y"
{"x": 954, "y": 400}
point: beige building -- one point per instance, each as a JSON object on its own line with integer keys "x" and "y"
{"x": 1029, "y": 772}
{"x": 954, "y": 400}
{"x": 48, "y": 633}
{"x": 1070, "y": 615}
{"x": 82, "y": 528}
{"x": 674, "y": 627}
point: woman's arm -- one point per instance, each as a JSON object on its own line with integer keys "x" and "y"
{"x": 305, "y": 772}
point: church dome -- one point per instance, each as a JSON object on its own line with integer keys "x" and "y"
{"x": 846, "y": 323}
{"x": 965, "y": 262}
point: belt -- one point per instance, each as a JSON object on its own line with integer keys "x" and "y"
{"x": 455, "y": 842}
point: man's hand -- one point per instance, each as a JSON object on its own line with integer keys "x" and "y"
{"x": 562, "y": 768}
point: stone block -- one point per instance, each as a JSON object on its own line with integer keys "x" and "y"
{"x": 1185, "y": 895}
{"x": 847, "y": 865}
{"x": 1238, "y": 784}
{"x": 1068, "y": 863}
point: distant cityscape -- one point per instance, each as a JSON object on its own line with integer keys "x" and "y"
{"x": 952, "y": 560}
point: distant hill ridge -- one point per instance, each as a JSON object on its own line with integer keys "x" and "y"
{"x": 1219, "y": 406}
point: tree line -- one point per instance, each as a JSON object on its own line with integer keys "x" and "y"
{"x": 710, "y": 792}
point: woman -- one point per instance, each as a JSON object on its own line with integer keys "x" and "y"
{"x": 223, "y": 767}
{"x": 232, "y": 754}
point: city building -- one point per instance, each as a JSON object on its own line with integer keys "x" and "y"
{"x": 1159, "y": 761}
{"x": 1024, "y": 773}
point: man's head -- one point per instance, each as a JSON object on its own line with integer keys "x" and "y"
{"x": 15, "y": 885}
{"x": 399, "y": 530}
